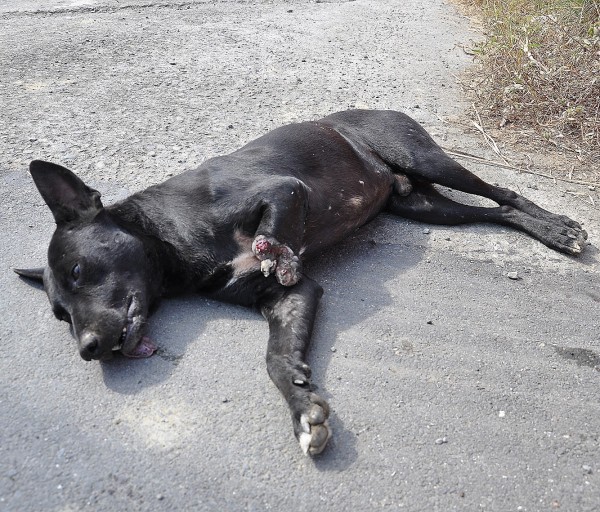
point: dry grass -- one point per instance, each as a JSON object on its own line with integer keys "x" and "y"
{"x": 540, "y": 69}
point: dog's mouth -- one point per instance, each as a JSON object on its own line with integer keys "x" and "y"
{"x": 132, "y": 342}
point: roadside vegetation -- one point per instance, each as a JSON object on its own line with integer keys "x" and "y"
{"x": 540, "y": 73}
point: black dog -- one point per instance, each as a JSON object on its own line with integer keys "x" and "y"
{"x": 236, "y": 227}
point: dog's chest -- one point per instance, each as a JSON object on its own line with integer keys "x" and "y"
{"x": 244, "y": 261}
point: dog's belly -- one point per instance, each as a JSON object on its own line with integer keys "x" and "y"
{"x": 346, "y": 181}
{"x": 338, "y": 208}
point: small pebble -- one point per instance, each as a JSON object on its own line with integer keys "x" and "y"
{"x": 587, "y": 469}
{"x": 501, "y": 414}
{"x": 426, "y": 231}
{"x": 441, "y": 440}
{"x": 160, "y": 497}
{"x": 333, "y": 349}
{"x": 513, "y": 275}
{"x": 225, "y": 400}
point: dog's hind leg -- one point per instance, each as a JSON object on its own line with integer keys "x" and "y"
{"x": 291, "y": 313}
{"x": 409, "y": 150}
{"x": 434, "y": 166}
{"x": 279, "y": 234}
{"x": 426, "y": 204}
{"x": 437, "y": 167}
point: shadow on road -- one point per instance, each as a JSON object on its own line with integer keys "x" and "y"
{"x": 354, "y": 276}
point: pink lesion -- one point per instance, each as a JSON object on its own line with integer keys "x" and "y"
{"x": 277, "y": 258}
{"x": 267, "y": 255}
{"x": 261, "y": 246}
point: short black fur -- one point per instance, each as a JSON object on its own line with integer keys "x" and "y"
{"x": 238, "y": 226}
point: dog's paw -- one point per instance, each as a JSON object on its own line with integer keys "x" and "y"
{"x": 556, "y": 231}
{"x": 577, "y": 241}
{"x": 278, "y": 259}
{"x": 311, "y": 424}
{"x": 288, "y": 271}
{"x": 568, "y": 236}
{"x": 577, "y": 235}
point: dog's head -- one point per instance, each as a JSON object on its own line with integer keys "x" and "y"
{"x": 98, "y": 276}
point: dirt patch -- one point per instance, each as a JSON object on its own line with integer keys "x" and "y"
{"x": 534, "y": 92}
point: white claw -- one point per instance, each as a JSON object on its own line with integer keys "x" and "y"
{"x": 305, "y": 440}
{"x": 305, "y": 424}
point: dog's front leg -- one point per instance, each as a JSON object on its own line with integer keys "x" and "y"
{"x": 291, "y": 313}
{"x": 279, "y": 234}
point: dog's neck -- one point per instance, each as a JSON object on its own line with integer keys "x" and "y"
{"x": 173, "y": 264}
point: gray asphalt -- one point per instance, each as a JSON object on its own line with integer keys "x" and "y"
{"x": 452, "y": 386}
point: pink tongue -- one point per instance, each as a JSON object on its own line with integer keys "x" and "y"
{"x": 145, "y": 348}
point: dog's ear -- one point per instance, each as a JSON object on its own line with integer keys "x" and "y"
{"x": 37, "y": 274}
{"x": 68, "y": 197}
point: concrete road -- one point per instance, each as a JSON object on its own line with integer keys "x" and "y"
{"x": 453, "y": 387}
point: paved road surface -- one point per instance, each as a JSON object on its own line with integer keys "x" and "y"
{"x": 453, "y": 387}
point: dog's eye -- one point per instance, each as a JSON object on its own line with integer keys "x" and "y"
{"x": 76, "y": 272}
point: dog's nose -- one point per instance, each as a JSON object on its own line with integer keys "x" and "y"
{"x": 90, "y": 346}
